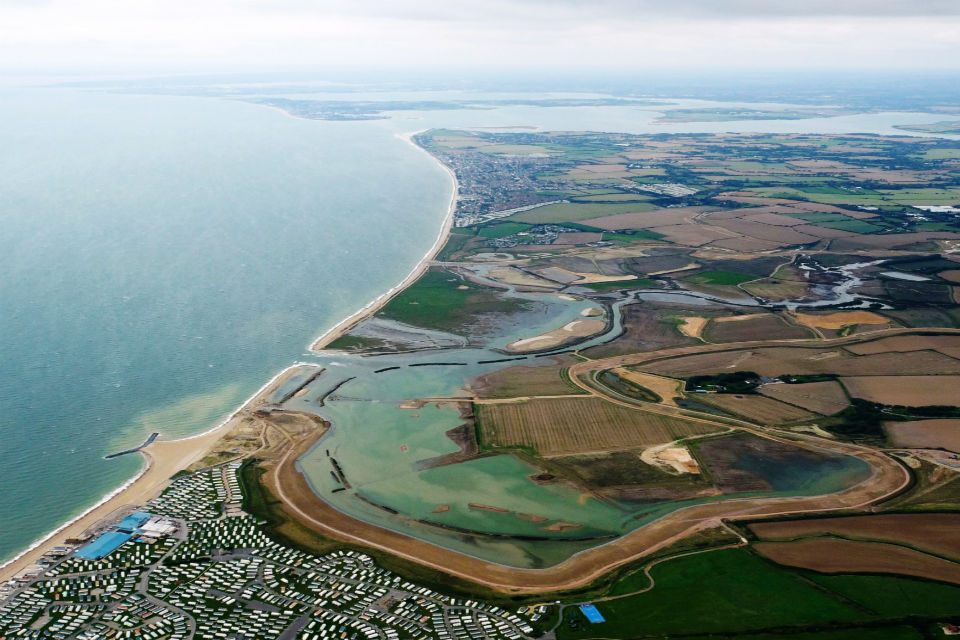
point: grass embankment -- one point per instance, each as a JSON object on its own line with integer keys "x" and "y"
{"x": 447, "y": 302}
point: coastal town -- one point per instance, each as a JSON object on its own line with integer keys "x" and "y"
{"x": 192, "y": 564}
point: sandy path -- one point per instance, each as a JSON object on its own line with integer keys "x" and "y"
{"x": 378, "y": 303}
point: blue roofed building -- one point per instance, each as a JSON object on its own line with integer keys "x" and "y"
{"x": 133, "y": 521}
{"x": 103, "y": 546}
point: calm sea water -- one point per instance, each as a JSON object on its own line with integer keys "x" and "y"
{"x": 163, "y": 257}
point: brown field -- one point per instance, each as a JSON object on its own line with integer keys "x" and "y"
{"x": 953, "y": 275}
{"x": 933, "y": 532}
{"x": 758, "y": 327}
{"x": 911, "y": 391}
{"x": 776, "y": 289}
{"x": 774, "y": 219}
{"x": 824, "y": 232}
{"x": 826, "y": 398}
{"x": 692, "y": 235}
{"x": 839, "y": 319}
{"x": 565, "y": 426}
{"x": 692, "y": 326}
{"x": 578, "y": 238}
{"x": 926, "y": 434}
{"x": 944, "y": 344}
{"x": 511, "y": 382}
{"x": 745, "y": 244}
{"x": 667, "y": 388}
{"x": 645, "y": 220}
{"x": 831, "y": 555}
{"x": 756, "y": 408}
{"x": 775, "y": 361}
{"x": 645, "y": 329}
{"x": 770, "y": 233}
{"x": 891, "y": 241}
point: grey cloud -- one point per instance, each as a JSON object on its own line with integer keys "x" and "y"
{"x": 602, "y": 10}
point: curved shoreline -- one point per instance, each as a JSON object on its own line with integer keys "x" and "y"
{"x": 161, "y": 459}
{"x": 157, "y": 469}
{"x": 380, "y": 301}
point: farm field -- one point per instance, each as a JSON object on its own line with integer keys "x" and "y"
{"x": 834, "y": 555}
{"x": 730, "y": 583}
{"x": 776, "y": 361}
{"x": 523, "y": 380}
{"x": 567, "y": 426}
{"x": 761, "y": 327}
{"x": 932, "y": 532}
{"x": 949, "y": 345}
{"x": 756, "y": 408}
{"x": 910, "y": 391}
{"x": 578, "y": 211}
{"x": 840, "y": 319}
{"x": 925, "y": 434}
{"x": 825, "y": 398}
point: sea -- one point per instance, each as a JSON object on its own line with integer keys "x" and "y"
{"x": 161, "y": 257}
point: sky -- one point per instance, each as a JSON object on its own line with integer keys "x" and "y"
{"x": 228, "y": 35}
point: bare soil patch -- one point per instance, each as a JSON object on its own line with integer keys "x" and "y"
{"x": 692, "y": 326}
{"x": 839, "y": 319}
{"x": 933, "y": 532}
{"x": 776, "y": 361}
{"x": 755, "y": 327}
{"x": 943, "y": 344}
{"x": 832, "y": 555}
{"x": 647, "y": 219}
{"x": 911, "y": 391}
{"x": 825, "y": 398}
{"x": 953, "y": 275}
{"x": 926, "y": 434}
{"x": 757, "y": 408}
{"x": 669, "y": 389}
{"x": 525, "y": 380}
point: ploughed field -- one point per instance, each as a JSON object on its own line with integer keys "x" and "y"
{"x": 566, "y": 426}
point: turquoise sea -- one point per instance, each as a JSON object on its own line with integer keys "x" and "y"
{"x": 162, "y": 257}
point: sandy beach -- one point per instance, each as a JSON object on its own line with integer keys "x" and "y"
{"x": 162, "y": 459}
{"x": 368, "y": 310}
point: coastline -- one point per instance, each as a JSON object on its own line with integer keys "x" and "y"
{"x": 380, "y": 301}
{"x": 162, "y": 459}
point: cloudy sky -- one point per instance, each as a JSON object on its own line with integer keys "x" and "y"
{"x": 219, "y": 35}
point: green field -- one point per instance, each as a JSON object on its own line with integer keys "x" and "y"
{"x": 716, "y": 592}
{"x": 720, "y": 277}
{"x": 733, "y": 591}
{"x": 837, "y": 221}
{"x": 576, "y": 211}
{"x": 502, "y": 230}
{"x": 437, "y": 301}
{"x": 918, "y": 196}
{"x": 612, "y": 197}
